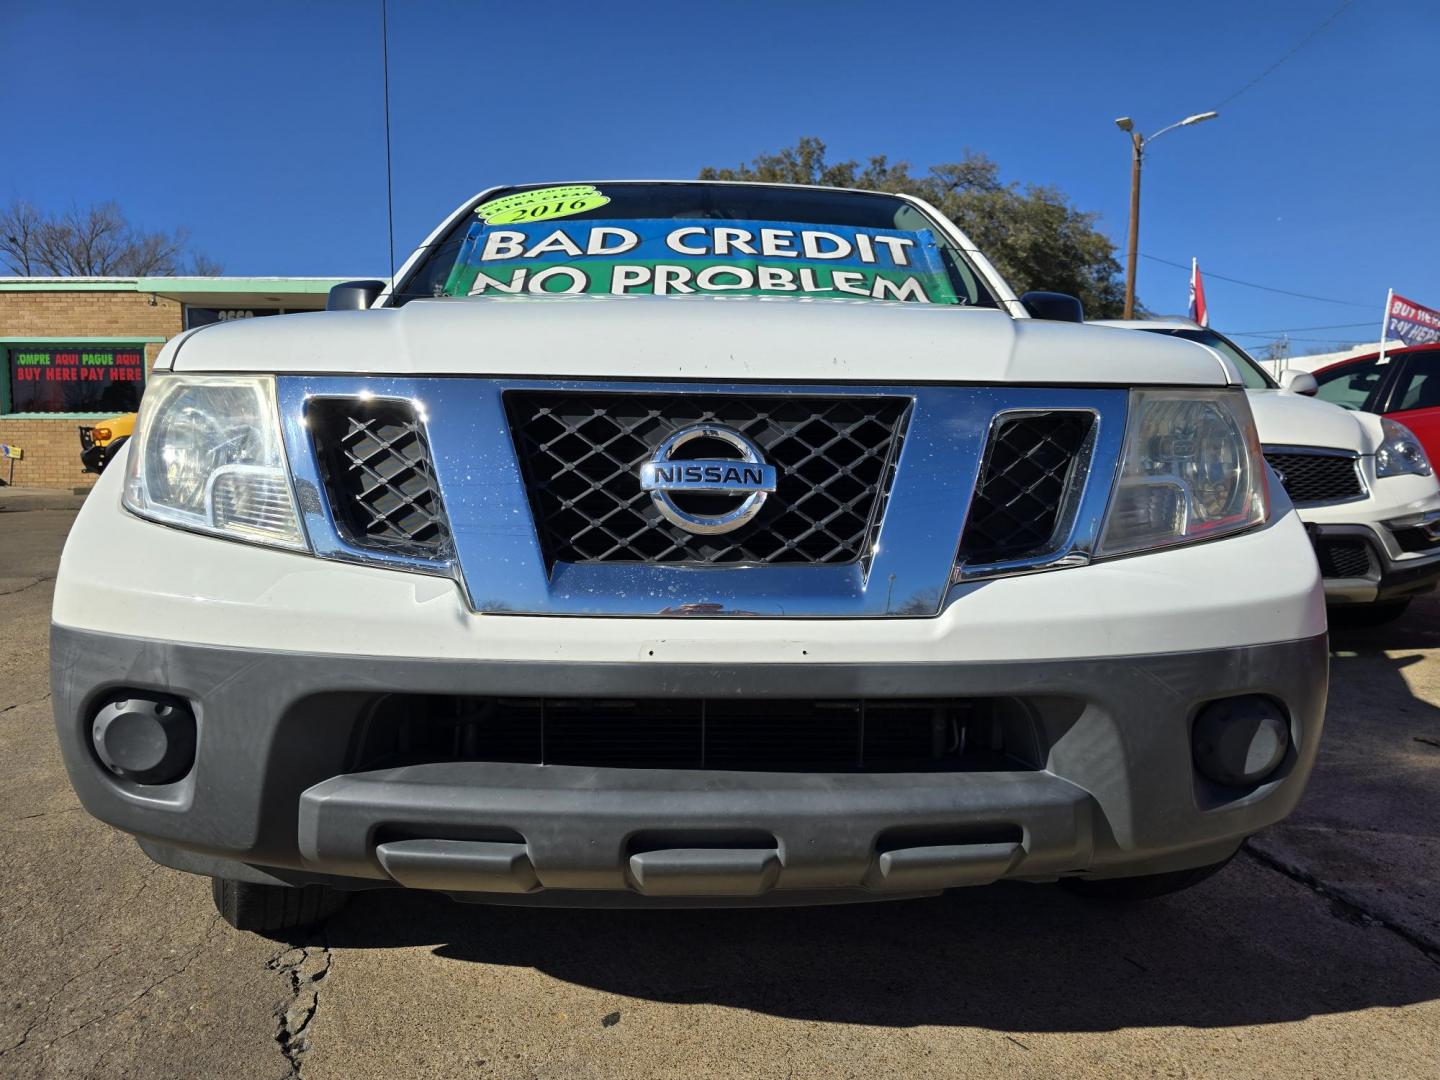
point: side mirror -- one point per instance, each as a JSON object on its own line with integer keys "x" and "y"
{"x": 1056, "y": 306}
{"x": 353, "y": 295}
{"x": 1298, "y": 382}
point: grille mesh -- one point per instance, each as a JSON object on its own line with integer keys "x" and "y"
{"x": 1343, "y": 558}
{"x": 1024, "y": 481}
{"x": 376, "y": 463}
{"x": 581, "y": 453}
{"x": 1314, "y": 478}
{"x": 759, "y": 734}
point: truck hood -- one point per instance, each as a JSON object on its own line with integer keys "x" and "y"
{"x": 1293, "y": 420}
{"x": 696, "y": 337}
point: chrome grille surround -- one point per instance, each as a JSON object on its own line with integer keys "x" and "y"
{"x": 909, "y": 568}
{"x": 1316, "y": 475}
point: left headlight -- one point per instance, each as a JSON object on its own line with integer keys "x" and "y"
{"x": 1191, "y": 470}
{"x": 207, "y": 455}
{"x": 1400, "y": 453}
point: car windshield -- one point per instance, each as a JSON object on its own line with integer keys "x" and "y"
{"x": 677, "y": 238}
{"x": 1254, "y": 376}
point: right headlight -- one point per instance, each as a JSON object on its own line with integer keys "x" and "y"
{"x": 207, "y": 455}
{"x": 1401, "y": 453}
{"x": 1192, "y": 469}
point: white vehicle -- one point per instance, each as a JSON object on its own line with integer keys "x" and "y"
{"x": 687, "y": 543}
{"x": 1361, "y": 483}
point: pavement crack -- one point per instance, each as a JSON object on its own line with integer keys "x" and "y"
{"x": 1427, "y": 741}
{"x": 194, "y": 955}
{"x": 1345, "y": 908}
{"x": 28, "y": 585}
{"x": 303, "y": 968}
{"x": 21, "y": 704}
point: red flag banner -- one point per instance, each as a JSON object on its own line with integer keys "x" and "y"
{"x": 1198, "y": 311}
{"x": 1411, "y": 322}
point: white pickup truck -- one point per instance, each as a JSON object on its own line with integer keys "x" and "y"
{"x": 687, "y": 543}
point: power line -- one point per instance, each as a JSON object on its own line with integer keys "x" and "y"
{"x": 1294, "y": 329}
{"x": 1252, "y": 285}
{"x": 1300, "y": 45}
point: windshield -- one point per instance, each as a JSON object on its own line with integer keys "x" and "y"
{"x": 670, "y": 239}
{"x": 1253, "y": 374}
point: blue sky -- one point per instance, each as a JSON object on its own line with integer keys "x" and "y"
{"x": 259, "y": 125}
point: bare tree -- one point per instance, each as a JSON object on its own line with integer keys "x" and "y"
{"x": 96, "y": 241}
{"x": 20, "y": 225}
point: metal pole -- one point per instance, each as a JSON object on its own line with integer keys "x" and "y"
{"x": 1132, "y": 253}
{"x": 1385, "y": 325}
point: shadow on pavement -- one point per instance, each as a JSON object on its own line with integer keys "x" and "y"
{"x": 1248, "y": 947}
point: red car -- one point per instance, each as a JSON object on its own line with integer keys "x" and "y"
{"x": 1406, "y": 388}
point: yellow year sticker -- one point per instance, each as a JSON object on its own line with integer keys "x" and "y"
{"x": 538, "y": 205}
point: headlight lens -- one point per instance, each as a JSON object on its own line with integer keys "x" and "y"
{"x": 1401, "y": 453}
{"x": 208, "y": 456}
{"x": 1192, "y": 469}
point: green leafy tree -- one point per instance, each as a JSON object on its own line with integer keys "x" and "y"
{"x": 1035, "y": 237}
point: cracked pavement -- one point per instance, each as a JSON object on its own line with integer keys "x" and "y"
{"x": 1316, "y": 953}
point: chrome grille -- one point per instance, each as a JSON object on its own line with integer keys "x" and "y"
{"x": 376, "y": 465}
{"x": 1317, "y": 478}
{"x": 1025, "y": 481}
{"x": 581, "y": 454}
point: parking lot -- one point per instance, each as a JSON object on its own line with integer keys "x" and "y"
{"x": 1316, "y": 953}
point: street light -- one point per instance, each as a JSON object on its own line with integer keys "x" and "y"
{"x": 1138, "y": 143}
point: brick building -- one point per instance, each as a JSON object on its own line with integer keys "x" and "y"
{"x": 74, "y": 351}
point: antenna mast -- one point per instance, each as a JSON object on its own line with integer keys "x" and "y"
{"x": 389, "y": 181}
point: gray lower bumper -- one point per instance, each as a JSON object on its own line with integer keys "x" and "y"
{"x": 1391, "y": 574}
{"x": 269, "y": 798}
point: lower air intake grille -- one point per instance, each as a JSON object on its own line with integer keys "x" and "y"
{"x": 1343, "y": 558}
{"x": 581, "y": 454}
{"x": 765, "y": 735}
{"x": 1317, "y": 478}
{"x": 1025, "y": 481}
{"x": 376, "y": 465}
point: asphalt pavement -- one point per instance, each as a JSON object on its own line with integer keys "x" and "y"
{"x": 1315, "y": 954}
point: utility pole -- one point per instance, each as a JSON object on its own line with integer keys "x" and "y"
{"x": 1138, "y": 143}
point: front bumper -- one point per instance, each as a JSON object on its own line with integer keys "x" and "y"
{"x": 269, "y": 797}
{"x": 1370, "y": 563}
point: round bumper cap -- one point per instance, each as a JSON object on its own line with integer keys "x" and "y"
{"x": 1240, "y": 741}
{"x": 146, "y": 738}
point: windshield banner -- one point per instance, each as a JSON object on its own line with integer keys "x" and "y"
{"x": 669, "y": 256}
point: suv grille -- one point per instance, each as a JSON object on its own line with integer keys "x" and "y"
{"x": 759, "y": 734}
{"x": 1317, "y": 478}
{"x": 1343, "y": 558}
{"x": 376, "y": 463}
{"x": 581, "y": 454}
{"x": 1025, "y": 482}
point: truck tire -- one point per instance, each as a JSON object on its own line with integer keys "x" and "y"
{"x": 266, "y": 909}
{"x": 1145, "y": 887}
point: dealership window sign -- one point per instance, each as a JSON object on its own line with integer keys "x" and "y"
{"x": 85, "y": 378}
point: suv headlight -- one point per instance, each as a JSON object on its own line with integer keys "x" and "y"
{"x": 207, "y": 455}
{"x": 1400, "y": 453}
{"x": 1191, "y": 470}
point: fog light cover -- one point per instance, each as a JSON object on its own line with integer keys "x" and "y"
{"x": 1240, "y": 741}
{"x": 147, "y": 738}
